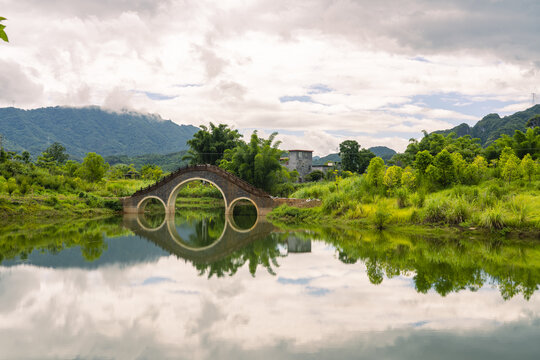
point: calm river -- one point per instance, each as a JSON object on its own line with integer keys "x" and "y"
{"x": 209, "y": 287}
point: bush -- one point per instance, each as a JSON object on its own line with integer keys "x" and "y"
{"x": 402, "y": 198}
{"x": 381, "y": 217}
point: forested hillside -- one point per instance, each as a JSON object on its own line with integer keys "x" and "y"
{"x": 381, "y": 151}
{"x": 91, "y": 129}
{"x": 492, "y": 126}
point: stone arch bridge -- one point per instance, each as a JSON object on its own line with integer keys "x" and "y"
{"x": 231, "y": 187}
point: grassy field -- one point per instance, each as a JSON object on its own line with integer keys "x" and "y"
{"x": 493, "y": 205}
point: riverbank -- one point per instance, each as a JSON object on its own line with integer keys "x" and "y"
{"x": 491, "y": 206}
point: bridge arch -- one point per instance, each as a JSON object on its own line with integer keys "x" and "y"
{"x": 171, "y": 201}
{"x": 230, "y": 186}
{"x": 230, "y": 215}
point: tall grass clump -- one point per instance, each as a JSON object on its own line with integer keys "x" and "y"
{"x": 402, "y": 198}
{"x": 334, "y": 201}
{"x": 493, "y": 218}
{"x": 520, "y": 211}
{"x": 418, "y": 199}
{"x": 435, "y": 210}
{"x": 458, "y": 211}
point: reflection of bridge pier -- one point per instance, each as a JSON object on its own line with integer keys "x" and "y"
{"x": 166, "y": 236}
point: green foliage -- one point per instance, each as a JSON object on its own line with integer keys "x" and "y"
{"x": 376, "y": 171}
{"x": 90, "y": 129}
{"x": 315, "y": 175}
{"x": 528, "y": 167}
{"x": 167, "y": 162}
{"x": 208, "y": 146}
{"x": 353, "y": 158}
{"x": 381, "y": 217}
{"x": 93, "y": 167}
{"x": 151, "y": 172}
{"x": 492, "y": 126}
{"x": 256, "y": 162}
{"x": 392, "y": 177}
{"x": 422, "y": 160}
{"x": 56, "y": 152}
{"x": 3, "y": 34}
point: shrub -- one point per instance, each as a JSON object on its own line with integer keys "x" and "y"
{"x": 381, "y": 217}
{"x": 402, "y": 198}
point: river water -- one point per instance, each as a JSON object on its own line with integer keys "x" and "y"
{"x": 211, "y": 287}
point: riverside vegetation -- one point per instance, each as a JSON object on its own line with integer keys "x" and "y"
{"x": 440, "y": 180}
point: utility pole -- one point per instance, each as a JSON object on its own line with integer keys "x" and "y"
{"x": 533, "y": 100}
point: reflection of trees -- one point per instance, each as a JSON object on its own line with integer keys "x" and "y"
{"x": 445, "y": 264}
{"x": 207, "y": 223}
{"x": 262, "y": 252}
{"x": 244, "y": 216}
{"x": 19, "y": 242}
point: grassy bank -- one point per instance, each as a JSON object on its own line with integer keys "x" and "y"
{"x": 493, "y": 206}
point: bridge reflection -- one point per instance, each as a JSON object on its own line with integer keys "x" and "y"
{"x": 166, "y": 236}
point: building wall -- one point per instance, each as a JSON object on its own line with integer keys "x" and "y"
{"x": 301, "y": 161}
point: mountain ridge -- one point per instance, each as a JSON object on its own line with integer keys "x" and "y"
{"x": 91, "y": 129}
{"x": 492, "y": 126}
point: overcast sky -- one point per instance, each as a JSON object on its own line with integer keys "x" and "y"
{"x": 317, "y": 71}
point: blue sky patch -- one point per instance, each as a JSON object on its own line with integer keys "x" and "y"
{"x": 300, "y": 98}
{"x": 316, "y": 291}
{"x": 156, "y": 280}
{"x": 319, "y": 89}
{"x": 299, "y": 281}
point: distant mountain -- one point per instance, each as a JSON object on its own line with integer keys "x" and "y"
{"x": 91, "y": 129}
{"x": 168, "y": 162}
{"x": 492, "y": 126}
{"x": 323, "y": 160}
{"x": 383, "y": 152}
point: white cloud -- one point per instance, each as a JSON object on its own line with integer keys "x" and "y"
{"x": 374, "y": 56}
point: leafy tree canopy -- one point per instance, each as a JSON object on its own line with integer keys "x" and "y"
{"x": 208, "y": 145}
{"x": 3, "y": 34}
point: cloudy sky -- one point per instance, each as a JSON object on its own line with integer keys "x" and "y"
{"x": 317, "y": 71}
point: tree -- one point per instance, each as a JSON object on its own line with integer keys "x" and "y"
{"x": 534, "y": 121}
{"x": 3, "y": 34}
{"x": 151, "y": 172}
{"x": 56, "y": 152}
{"x": 315, "y": 175}
{"x": 408, "y": 178}
{"x": 208, "y": 146}
{"x": 422, "y": 160}
{"x": 348, "y": 151}
{"x": 364, "y": 157}
{"x": 353, "y": 158}
{"x": 510, "y": 167}
{"x": 93, "y": 167}
{"x": 376, "y": 171}
{"x": 528, "y": 167}
{"x": 445, "y": 167}
{"x": 256, "y": 162}
{"x": 392, "y": 177}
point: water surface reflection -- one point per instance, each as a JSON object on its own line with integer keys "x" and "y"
{"x": 121, "y": 289}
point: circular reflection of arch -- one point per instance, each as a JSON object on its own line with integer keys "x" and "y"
{"x": 171, "y": 226}
{"x": 171, "y": 202}
{"x": 230, "y": 215}
{"x": 141, "y": 219}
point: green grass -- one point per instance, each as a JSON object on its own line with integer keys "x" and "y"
{"x": 493, "y": 206}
